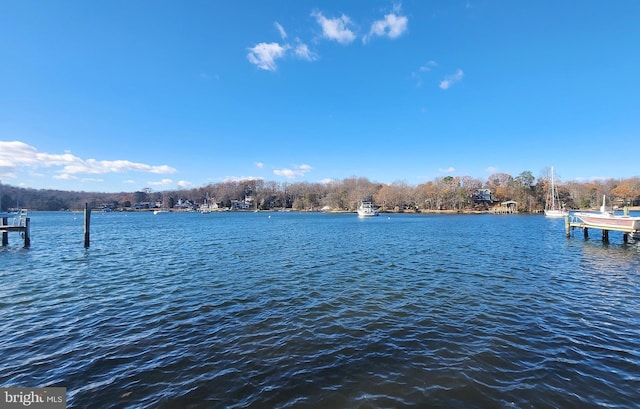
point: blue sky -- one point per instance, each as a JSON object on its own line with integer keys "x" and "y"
{"x": 124, "y": 95}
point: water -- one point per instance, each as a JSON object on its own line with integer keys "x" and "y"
{"x": 289, "y": 310}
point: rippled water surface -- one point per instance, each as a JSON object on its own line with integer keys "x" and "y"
{"x": 289, "y": 310}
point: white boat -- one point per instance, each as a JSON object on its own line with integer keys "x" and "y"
{"x": 367, "y": 209}
{"x": 206, "y": 207}
{"x": 553, "y": 206}
{"x": 606, "y": 218}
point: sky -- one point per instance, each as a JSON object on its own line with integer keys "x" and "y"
{"x": 120, "y": 95}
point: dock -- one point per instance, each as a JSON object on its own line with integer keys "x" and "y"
{"x": 20, "y": 223}
{"x": 573, "y": 222}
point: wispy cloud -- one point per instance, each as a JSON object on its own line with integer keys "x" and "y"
{"x": 296, "y": 172}
{"x": 281, "y": 30}
{"x": 426, "y": 67}
{"x": 450, "y": 169}
{"x": 264, "y": 55}
{"x": 341, "y": 29}
{"x": 491, "y": 169}
{"x": 392, "y": 26}
{"x": 449, "y": 80}
{"x": 16, "y": 154}
{"x": 259, "y": 165}
{"x": 93, "y": 166}
{"x": 328, "y": 181}
{"x": 184, "y": 183}
{"x": 240, "y": 178}
{"x": 302, "y": 51}
{"x": 336, "y": 29}
{"x": 163, "y": 182}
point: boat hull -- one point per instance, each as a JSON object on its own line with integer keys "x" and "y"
{"x": 605, "y": 220}
{"x": 556, "y": 213}
{"x": 367, "y": 213}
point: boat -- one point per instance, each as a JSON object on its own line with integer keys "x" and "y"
{"x": 367, "y": 209}
{"x": 553, "y": 206}
{"x": 607, "y": 219}
{"x": 163, "y": 208}
{"x": 206, "y": 207}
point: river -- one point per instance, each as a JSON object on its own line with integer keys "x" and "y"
{"x": 312, "y": 310}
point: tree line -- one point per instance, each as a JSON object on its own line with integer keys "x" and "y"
{"x": 449, "y": 193}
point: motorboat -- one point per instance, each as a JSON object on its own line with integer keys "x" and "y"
{"x": 607, "y": 219}
{"x": 367, "y": 209}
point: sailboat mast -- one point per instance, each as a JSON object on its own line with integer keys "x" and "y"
{"x": 553, "y": 190}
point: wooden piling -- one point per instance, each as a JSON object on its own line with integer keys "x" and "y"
{"x": 87, "y": 223}
{"x": 27, "y": 232}
{"x": 5, "y": 234}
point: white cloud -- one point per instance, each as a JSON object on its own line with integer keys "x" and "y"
{"x": 92, "y": 180}
{"x": 163, "y": 182}
{"x": 449, "y": 80}
{"x": 328, "y": 181}
{"x": 297, "y": 171}
{"x": 16, "y": 154}
{"x": 92, "y": 166}
{"x": 302, "y": 51}
{"x": 491, "y": 169}
{"x": 264, "y": 55}
{"x": 392, "y": 26}
{"x": 240, "y": 178}
{"x": 428, "y": 66}
{"x": 65, "y": 176}
{"x": 184, "y": 183}
{"x": 259, "y": 165}
{"x": 283, "y": 34}
{"x": 335, "y": 28}
{"x": 450, "y": 169}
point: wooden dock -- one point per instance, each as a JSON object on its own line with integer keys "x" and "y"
{"x": 573, "y": 222}
{"x": 21, "y": 224}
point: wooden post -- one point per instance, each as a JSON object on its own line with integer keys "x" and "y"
{"x": 5, "y": 234}
{"x": 625, "y": 237}
{"x": 586, "y": 233}
{"x": 27, "y": 233}
{"x": 605, "y": 235}
{"x": 567, "y": 230}
{"x": 87, "y": 222}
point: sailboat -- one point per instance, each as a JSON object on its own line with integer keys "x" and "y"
{"x": 553, "y": 207}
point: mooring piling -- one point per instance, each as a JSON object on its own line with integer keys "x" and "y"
{"x": 87, "y": 223}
